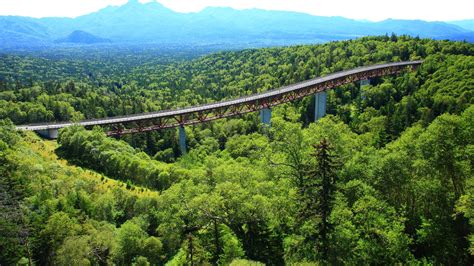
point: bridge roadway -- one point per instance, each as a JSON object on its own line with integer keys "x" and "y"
{"x": 207, "y": 112}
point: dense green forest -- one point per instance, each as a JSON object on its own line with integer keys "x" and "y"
{"x": 385, "y": 178}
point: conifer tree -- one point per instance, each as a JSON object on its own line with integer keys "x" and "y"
{"x": 325, "y": 174}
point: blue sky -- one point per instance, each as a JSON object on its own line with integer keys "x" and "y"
{"x": 375, "y": 10}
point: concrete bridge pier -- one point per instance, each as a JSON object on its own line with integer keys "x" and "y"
{"x": 266, "y": 116}
{"x": 364, "y": 82}
{"x": 182, "y": 140}
{"x": 319, "y": 105}
{"x": 51, "y": 133}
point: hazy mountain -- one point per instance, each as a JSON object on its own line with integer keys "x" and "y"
{"x": 21, "y": 31}
{"x": 153, "y": 23}
{"x": 466, "y": 24}
{"x": 82, "y": 37}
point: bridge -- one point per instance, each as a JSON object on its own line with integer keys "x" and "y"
{"x": 262, "y": 102}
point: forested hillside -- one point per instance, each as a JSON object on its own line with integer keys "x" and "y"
{"x": 385, "y": 178}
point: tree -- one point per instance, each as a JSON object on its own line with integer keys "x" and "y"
{"x": 231, "y": 246}
{"x": 366, "y": 230}
{"x": 315, "y": 199}
{"x": 130, "y": 238}
{"x": 325, "y": 172}
{"x": 59, "y": 226}
{"x": 153, "y": 249}
{"x": 74, "y": 251}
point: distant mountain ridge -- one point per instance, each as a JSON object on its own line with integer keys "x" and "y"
{"x": 82, "y": 37}
{"x": 153, "y": 23}
{"x": 467, "y": 24}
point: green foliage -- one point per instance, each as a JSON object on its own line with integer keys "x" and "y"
{"x": 141, "y": 261}
{"x": 152, "y": 249}
{"x": 422, "y": 174}
{"x": 93, "y": 149}
{"x": 74, "y": 251}
{"x": 249, "y": 146}
{"x": 240, "y": 262}
{"x": 401, "y": 152}
{"x": 130, "y": 238}
{"x": 366, "y": 224}
{"x": 231, "y": 246}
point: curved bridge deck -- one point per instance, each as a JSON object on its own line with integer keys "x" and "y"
{"x": 207, "y": 112}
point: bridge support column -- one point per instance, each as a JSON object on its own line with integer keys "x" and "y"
{"x": 364, "y": 82}
{"x": 319, "y": 105}
{"x": 182, "y": 140}
{"x": 266, "y": 116}
{"x": 51, "y": 133}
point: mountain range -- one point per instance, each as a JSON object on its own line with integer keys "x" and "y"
{"x": 137, "y": 23}
{"x": 467, "y": 24}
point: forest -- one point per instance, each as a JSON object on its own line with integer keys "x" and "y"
{"x": 386, "y": 177}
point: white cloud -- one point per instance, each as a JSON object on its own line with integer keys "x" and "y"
{"x": 358, "y": 9}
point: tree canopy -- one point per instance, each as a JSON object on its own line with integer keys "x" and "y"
{"x": 385, "y": 178}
